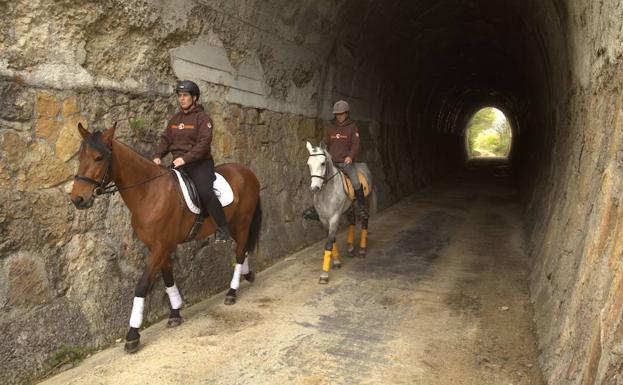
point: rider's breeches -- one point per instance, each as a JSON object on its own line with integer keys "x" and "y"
{"x": 351, "y": 171}
{"x": 202, "y": 173}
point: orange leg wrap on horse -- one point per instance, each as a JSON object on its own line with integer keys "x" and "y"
{"x": 351, "y": 235}
{"x": 326, "y": 265}
{"x": 364, "y": 238}
{"x": 335, "y": 253}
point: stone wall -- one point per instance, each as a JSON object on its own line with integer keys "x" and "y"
{"x": 575, "y": 180}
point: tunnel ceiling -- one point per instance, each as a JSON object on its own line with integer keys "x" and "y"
{"x": 448, "y": 58}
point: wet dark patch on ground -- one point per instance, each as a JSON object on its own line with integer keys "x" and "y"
{"x": 417, "y": 249}
{"x": 365, "y": 315}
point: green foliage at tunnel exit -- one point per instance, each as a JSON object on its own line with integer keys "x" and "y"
{"x": 488, "y": 134}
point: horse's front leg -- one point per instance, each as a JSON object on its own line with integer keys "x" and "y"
{"x": 175, "y": 299}
{"x": 328, "y": 249}
{"x": 156, "y": 258}
{"x": 242, "y": 265}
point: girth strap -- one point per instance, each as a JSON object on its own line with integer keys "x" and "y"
{"x": 195, "y": 228}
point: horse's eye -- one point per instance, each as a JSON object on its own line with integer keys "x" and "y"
{"x": 99, "y": 158}
{"x": 322, "y": 164}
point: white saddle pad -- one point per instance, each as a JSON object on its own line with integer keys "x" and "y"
{"x": 221, "y": 187}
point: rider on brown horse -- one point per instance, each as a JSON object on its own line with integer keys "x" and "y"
{"x": 188, "y": 137}
{"x": 342, "y": 141}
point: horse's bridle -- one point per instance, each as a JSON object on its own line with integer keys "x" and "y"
{"x": 103, "y": 186}
{"x": 106, "y": 185}
{"x": 326, "y": 170}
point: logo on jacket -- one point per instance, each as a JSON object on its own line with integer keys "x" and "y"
{"x": 181, "y": 126}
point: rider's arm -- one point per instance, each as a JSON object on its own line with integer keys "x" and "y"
{"x": 354, "y": 143}
{"x": 201, "y": 149}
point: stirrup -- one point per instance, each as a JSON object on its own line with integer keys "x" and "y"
{"x": 311, "y": 214}
{"x": 222, "y": 235}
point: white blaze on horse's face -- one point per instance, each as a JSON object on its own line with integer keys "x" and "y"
{"x": 317, "y": 163}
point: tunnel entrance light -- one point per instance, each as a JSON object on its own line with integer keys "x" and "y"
{"x": 488, "y": 134}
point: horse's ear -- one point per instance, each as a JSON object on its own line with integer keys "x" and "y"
{"x": 323, "y": 146}
{"x": 310, "y": 148}
{"x": 83, "y": 131}
{"x": 109, "y": 134}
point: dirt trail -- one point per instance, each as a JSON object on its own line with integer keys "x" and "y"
{"x": 441, "y": 299}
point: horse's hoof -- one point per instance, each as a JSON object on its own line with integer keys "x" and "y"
{"x": 230, "y": 300}
{"x": 362, "y": 253}
{"x": 132, "y": 346}
{"x": 323, "y": 280}
{"x": 173, "y": 322}
{"x": 250, "y": 276}
{"x": 337, "y": 264}
{"x": 351, "y": 252}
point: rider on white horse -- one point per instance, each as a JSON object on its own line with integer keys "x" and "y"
{"x": 342, "y": 141}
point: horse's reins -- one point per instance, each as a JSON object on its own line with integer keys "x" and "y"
{"x": 324, "y": 178}
{"x": 104, "y": 186}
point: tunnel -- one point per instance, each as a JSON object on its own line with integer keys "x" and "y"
{"x": 414, "y": 73}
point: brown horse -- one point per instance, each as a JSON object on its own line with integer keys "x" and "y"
{"x": 160, "y": 217}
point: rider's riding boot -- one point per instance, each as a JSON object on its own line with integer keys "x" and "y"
{"x": 311, "y": 214}
{"x": 361, "y": 203}
{"x": 218, "y": 216}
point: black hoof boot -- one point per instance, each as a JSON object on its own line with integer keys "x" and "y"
{"x": 175, "y": 319}
{"x": 351, "y": 252}
{"x": 250, "y": 276}
{"x": 230, "y": 297}
{"x": 132, "y": 341}
{"x": 173, "y": 322}
{"x": 132, "y": 346}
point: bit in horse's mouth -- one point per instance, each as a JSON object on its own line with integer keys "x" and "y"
{"x": 85, "y": 204}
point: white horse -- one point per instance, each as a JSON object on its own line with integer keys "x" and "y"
{"x": 330, "y": 201}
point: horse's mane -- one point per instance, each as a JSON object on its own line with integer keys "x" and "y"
{"x": 143, "y": 156}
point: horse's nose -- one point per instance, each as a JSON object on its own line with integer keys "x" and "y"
{"x": 78, "y": 201}
{"x": 315, "y": 189}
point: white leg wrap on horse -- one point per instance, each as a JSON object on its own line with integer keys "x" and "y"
{"x": 136, "y": 319}
{"x": 174, "y": 297}
{"x": 235, "y": 281}
{"x": 245, "y": 266}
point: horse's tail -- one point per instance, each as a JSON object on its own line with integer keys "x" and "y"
{"x": 254, "y": 230}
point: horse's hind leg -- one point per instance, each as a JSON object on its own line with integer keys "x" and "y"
{"x": 175, "y": 299}
{"x": 363, "y": 237}
{"x": 155, "y": 260}
{"x": 350, "y": 238}
{"x": 335, "y": 256}
{"x": 241, "y": 268}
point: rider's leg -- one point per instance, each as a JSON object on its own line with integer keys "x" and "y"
{"x": 351, "y": 171}
{"x": 202, "y": 173}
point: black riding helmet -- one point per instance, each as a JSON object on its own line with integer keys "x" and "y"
{"x": 191, "y": 87}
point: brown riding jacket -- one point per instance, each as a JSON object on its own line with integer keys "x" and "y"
{"x": 188, "y": 136}
{"x": 342, "y": 140}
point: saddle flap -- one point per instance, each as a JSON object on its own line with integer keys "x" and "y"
{"x": 222, "y": 190}
{"x": 348, "y": 186}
